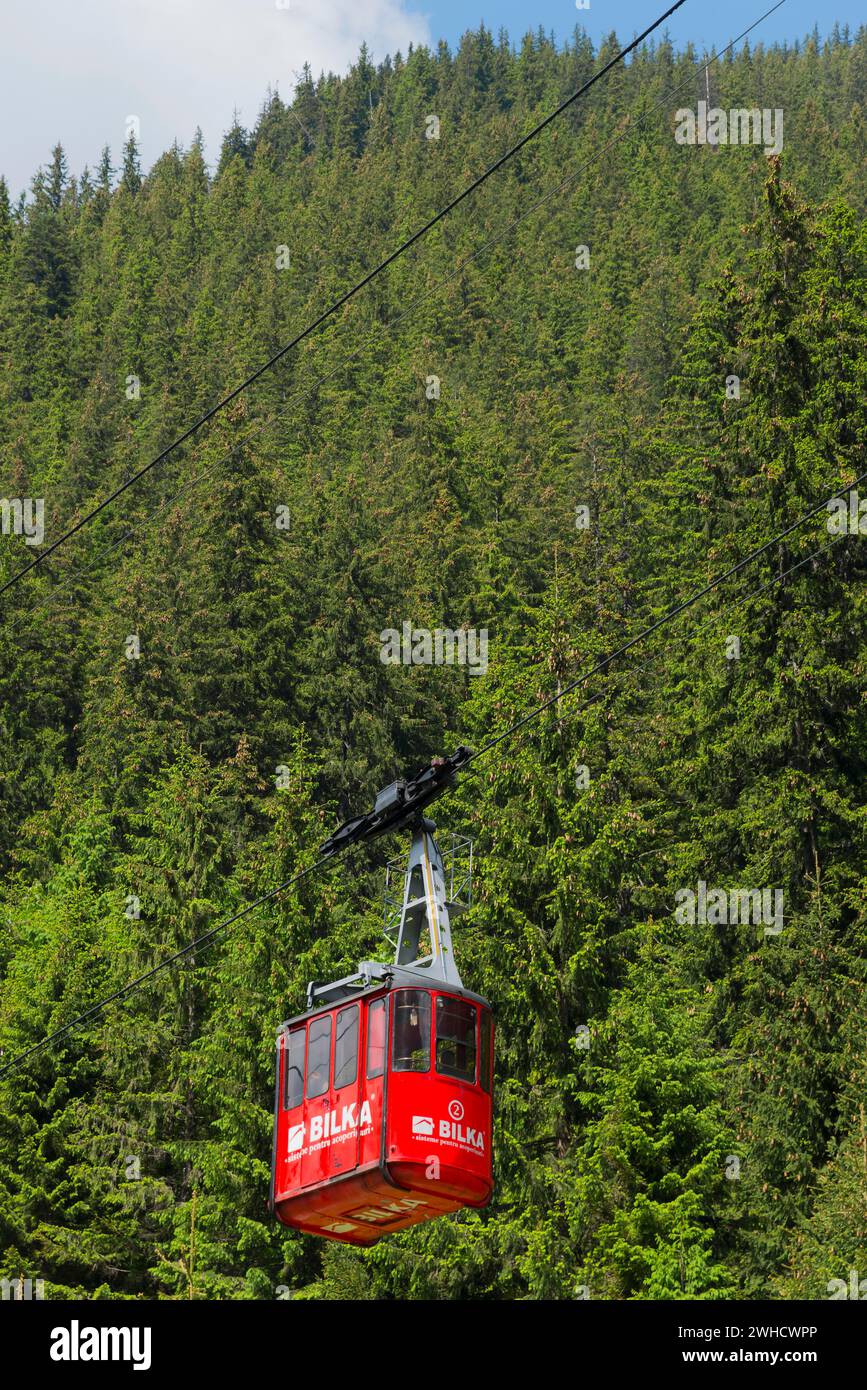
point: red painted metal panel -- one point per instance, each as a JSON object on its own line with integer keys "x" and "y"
{"x": 315, "y": 1155}
{"x": 438, "y": 1133}
{"x": 372, "y": 1070}
{"x": 360, "y": 1209}
{"x": 290, "y": 1125}
{"x": 347, "y": 1101}
{"x": 333, "y": 1178}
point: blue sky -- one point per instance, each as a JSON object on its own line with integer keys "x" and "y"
{"x": 705, "y": 22}
{"x": 77, "y": 72}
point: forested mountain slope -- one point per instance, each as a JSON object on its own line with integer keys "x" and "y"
{"x": 679, "y": 1106}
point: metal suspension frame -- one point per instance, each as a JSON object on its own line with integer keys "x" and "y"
{"x": 425, "y": 916}
{"x": 425, "y": 922}
{"x": 425, "y": 912}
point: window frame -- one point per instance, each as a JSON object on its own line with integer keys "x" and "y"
{"x": 353, "y": 1079}
{"x": 314, "y": 1023}
{"x": 486, "y": 1051}
{"x": 288, "y": 1036}
{"x": 396, "y": 1014}
{"x": 449, "y": 1003}
{"x": 381, "y": 1005}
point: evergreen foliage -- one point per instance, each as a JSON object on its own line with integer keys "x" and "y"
{"x": 709, "y": 1141}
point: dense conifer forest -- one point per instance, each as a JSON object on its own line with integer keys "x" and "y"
{"x": 650, "y": 357}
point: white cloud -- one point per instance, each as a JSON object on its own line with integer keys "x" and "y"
{"x": 73, "y": 70}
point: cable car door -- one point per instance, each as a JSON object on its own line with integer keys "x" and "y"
{"x": 317, "y": 1100}
{"x": 347, "y": 1092}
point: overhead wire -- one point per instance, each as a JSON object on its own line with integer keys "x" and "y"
{"x": 415, "y": 304}
{"x": 667, "y": 617}
{"x": 132, "y": 985}
{"x": 206, "y": 939}
{"x": 341, "y": 300}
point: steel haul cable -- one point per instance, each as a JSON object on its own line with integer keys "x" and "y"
{"x": 472, "y": 256}
{"x": 341, "y": 300}
{"x": 208, "y": 938}
{"x": 205, "y": 939}
{"x": 667, "y": 617}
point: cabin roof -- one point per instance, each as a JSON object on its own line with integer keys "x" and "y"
{"x": 392, "y": 977}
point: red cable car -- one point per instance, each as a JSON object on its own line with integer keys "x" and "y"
{"x": 384, "y": 1087}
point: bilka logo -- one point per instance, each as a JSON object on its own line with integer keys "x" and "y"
{"x": 388, "y": 1210}
{"x": 296, "y": 1138}
{"x": 451, "y": 1129}
{"x": 474, "y": 1138}
{"x": 335, "y": 1122}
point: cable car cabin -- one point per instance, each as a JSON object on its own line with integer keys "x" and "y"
{"x": 384, "y": 1111}
{"x": 384, "y": 1104}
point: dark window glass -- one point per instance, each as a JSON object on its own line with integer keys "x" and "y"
{"x": 346, "y": 1047}
{"x": 456, "y": 1039}
{"x": 318, "y": 1057}
{"x": 293, "y": 1062}
{"x": 376, "y": 1039}
{"x": 485, "y": 1051}
{"x": 411, "y": 1050}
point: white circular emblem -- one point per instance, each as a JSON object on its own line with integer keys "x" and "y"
{"x": 456, "y": 1110}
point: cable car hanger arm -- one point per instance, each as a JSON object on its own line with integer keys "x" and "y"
{"x": 398, "y": 804}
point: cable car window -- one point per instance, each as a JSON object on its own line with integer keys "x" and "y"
{"x": 376, "y": 1039}
{"x": 346, "y": 1047}
{"x": 485, "y": 1052}
{"x": 456, "y": 1039}
{"x": 318, "y": 1057}
{"x": 293, "y": 1063}
{"x": 411, "y": 1049}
